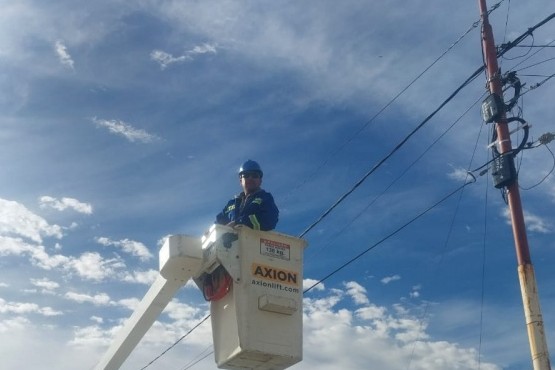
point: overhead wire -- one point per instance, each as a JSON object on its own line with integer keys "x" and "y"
{"x": 500, "y": 52}
{"x": 451, "y": 227}
{"x": 389, "y": 103}
{"x": 505, "y": 48}
{"x": 393, "y": 233}
{"x": 198, "y": 358}
{"x": 540, "y": 49}
{"x": 546, "y": 176}
{"x": 534, "y": 65}
{"x": 483, "y": 296}
{"x": 392, "y": 152}
{"x": 403, "y": 173}
{"x": 176, "y": 342}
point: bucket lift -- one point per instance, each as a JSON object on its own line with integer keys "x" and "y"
{"x": 254, "y": 282}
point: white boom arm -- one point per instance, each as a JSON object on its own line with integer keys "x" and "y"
{"x": 180, "y": 260}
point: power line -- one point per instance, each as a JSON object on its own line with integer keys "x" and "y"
{"x": 377, "y": 114}
{"x": 173, "y": 345}
{"x": 451, "y": 226}
{"x": 395, "y": 149}
{"x": 390, "y": 235}
{"x": 196, "y": 360}
{"x": 504, "y": 48}
{"x": 406, "y": 170}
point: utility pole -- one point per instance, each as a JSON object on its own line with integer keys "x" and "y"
{"x": 528, "y": 287}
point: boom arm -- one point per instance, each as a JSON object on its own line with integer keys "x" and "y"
{"x": 180, "y": 260}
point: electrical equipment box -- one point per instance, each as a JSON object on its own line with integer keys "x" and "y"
{"x": 258, "y": 323}
{"x": 503, "y": 170}
{"x": 492, "y": 108}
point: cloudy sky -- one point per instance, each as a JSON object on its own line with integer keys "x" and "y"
{"x": 122, "y": 122}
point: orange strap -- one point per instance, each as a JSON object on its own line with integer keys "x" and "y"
{"x": 216, "y": 285}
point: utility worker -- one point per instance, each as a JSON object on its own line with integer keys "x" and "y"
{"x": 254, "y": 207}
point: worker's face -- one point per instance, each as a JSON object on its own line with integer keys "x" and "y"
{"x": 250, "y": 182}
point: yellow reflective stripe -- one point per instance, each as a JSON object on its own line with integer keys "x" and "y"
{"x": 254, "y": 222}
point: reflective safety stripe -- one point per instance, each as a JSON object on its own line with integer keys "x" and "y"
{"x": 254, "y": 222}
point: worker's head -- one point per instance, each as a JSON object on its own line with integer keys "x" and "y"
{"x": 250, "y": 176}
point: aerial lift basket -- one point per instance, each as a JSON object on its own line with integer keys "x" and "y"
{"x": 257, "y": 324}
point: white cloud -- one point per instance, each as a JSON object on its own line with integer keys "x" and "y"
{"x": 65, "y": 203}
{"x": 415, "y": 293}
{"x": 126, "y": 130}
{"x": 129, "y": 303}
{"x": 203, "y": 49}
{"x": 41, "y": 258}
{"x": 337, "y": 338}
{"x": 128, "y": 246}
{"x": 47, "y": 285}
{"x": 37, "y": 254}
{"x": 17, "y": 323}
{"x": 63, "y": 55}
{"x": 88, "y": 266}
{"x": 307, "y": 283}
{"x": 389, "y": 279}
{"x": 98, "y": 300}
{"x": 142, "y": 277}
{"x": 92, "y": 336}
{"x": 181, "y": 311}
{"x": 458, "y": 174}
{"x": 166, "y": 59}
{"x": 91, "y": 266}
{"x": 532, "y": 221}
{"x": 16, "y": 219}
{"x": 357, "y": 292}
{"x": 98, "y": 320}
{"x": 20, "y": 308}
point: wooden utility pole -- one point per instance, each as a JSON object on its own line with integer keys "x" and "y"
{"x": 528, "y": 287}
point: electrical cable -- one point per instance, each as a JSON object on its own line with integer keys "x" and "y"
{"x": 534, "y": 65}
{"x": 482, "y": 300}
{"x": 535, "y": 53}
{"x": 535, "y": 86}
{"x": 449, "y": 232}
{"x": 393, "y": 233}
{"x": 330, "y": 240}
{"x": 535, "y": 46}
{"x": 500, "y": 52}
{"x": 525, "y": 126}
{"x": 198, "y": 358}
{"x": 376, "y": 115}
{"x": 546, "y": 176}
{"x": 508, "y": 46}
{"x": 179, "y": 340}
{"x": 395, "y": 149}
{"x": 505, "y": 31}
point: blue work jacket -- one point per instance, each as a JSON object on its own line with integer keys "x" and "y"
{"x": 257, "y": 211}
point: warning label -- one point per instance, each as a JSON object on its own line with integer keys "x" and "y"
{"x": 275, "y": 249}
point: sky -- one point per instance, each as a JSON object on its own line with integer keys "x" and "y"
{"x": 123, "y": 122}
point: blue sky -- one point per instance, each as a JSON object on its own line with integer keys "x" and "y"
{"x": 124, "y": 122}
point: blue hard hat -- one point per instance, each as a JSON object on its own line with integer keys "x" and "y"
{"x": 250, "y": 165}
